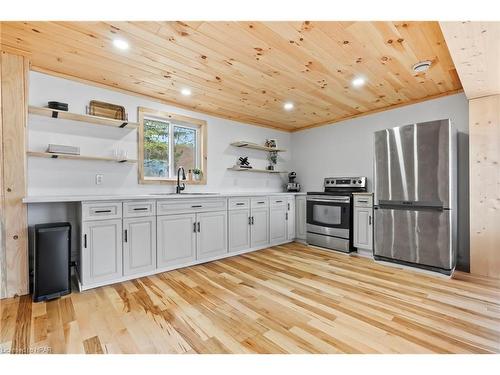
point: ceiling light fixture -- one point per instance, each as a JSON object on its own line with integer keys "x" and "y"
{"x": 422, "y": 66}
{"x": 358, "y": 82}
{"x": 120, "y": 44}
{"x": 288, "y": 106}
{"x": 186, "y": 92}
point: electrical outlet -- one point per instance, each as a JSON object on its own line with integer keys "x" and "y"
{"x": 98, "y": 179}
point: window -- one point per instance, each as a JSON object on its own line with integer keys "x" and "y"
{"x": 167, "y": 142}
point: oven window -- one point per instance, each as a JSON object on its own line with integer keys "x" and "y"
{"x": 330, "y": 215}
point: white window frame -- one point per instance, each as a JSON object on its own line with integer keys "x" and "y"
{"x": 173, "y": 121}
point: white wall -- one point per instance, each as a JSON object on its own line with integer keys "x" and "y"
{"x": 346, "y": 149}
{"x": 66, "y": 177}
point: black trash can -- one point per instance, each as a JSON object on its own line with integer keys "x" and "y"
{"x": 51, "y": 264}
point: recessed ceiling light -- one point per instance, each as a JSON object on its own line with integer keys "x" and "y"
{"x": 358, "y": 82}
{"x": 186, "y": 92}
{"x": 422, "y": 66}
{"x": 288, "y": 106}
{"x": 120, "y": 44}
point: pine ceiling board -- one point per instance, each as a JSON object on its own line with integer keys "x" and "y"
{"x": 184, "y": 75}
{"x": 245, "y": 71}
{"x": 143, "y": 79}
{"x": 266, "y": 85}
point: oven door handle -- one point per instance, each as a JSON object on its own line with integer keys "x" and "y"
{"x": 329, "y": 200}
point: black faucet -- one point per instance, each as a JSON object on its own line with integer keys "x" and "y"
{"x": 180, "y": 187}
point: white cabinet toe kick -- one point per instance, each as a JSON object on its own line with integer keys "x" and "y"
{"x": 124, "y": 240}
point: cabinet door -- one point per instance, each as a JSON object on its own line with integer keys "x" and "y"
{"x": 212, "y": 234}
{"x": 278, "y": 224}
{"x": 363, "y": 228}
{"x": 101, "y": 251}
{"x": 139, "y": 245}
{"x": 176, "y": 239}
{"x": 239, "y": 230}
{"x": 259, "y": 230}
{"x": 300, "y": 218}
{"x": 290, "y": 217}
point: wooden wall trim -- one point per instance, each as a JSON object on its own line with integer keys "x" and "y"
{"x": 3, "y": 281}
{"x": 14, "y": 116}
{"x": 484, "y": 135}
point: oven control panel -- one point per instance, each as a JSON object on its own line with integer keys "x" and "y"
{"x": 345, "y": 182}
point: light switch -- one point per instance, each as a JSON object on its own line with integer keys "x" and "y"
{"x": 98, "y": 179}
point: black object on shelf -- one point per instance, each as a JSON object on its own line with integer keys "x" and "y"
{"x": 52, "y": 274}
{"x": 58, "y": 105}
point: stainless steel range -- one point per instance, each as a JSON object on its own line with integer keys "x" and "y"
{"x": 329, "y": 213}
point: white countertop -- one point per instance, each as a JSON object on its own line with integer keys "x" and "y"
{"x": 82, "y": 198}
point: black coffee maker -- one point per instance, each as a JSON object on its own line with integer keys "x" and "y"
{"x": 292, "y": 185}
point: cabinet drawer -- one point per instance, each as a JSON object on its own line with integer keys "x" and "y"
{"x": 259, "y": 202}
{"x": 278, "y": 201}
{"x": 363, "y": 200}
{"x": 139, "y": 208}
{"x": 101, "y": 211}
{"x": 173, "y": 206}
{"x": 237, "y": 203}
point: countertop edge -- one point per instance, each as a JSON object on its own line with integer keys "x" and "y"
{"x": 92, "y": 198}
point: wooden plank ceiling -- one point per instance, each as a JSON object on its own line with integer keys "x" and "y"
{"x": 245, "y": 71}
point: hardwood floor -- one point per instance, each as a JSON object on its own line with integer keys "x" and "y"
{"x": 285, "y": 299}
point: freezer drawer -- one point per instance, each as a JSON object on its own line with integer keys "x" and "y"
{"x": 422, "y": 237}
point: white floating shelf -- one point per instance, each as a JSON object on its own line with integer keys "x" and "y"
{"x": 256, "y": 146}
{"x": 52, "y": 155}
{"x": 93, "y": 120}
{"x": 254, "y": 170}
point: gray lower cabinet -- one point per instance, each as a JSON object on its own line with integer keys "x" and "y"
{"x": 184, "y": 238}
{"x": 139, "y": 245}
{"x": 239, "y": 230}
{"x": 278, "y": 223}
{"x": 176, "y": 239}
{"x": 300, "y": 217}
{"x": 259, "y": 230}
{"x": 212, "y": 234}
{"x": 363, "y": 228}
{"x": 101, "y": 255}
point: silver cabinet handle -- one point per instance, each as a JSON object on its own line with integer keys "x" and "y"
{"x": 140, "y": 209}
{"x": 261, "y": 202}
{"x": 126, "y": 235}
{"x": 286, "y": 216}
{"x": 197, "y": 206}
{"x": 85, "y": 241}
{"x": 194, "y": 227}
{"x": 360, "y": 201}
{"x": 252, "y": 220}
{"x": 278, "y": 201}
{"x": 249, "y": 220}
{"x": 199, "y": 230}
{"x": 240, "y": 204}
{"x": 288, "y": 206}
{"x": 102, "y": 211}
{"x": 369, "y": 220}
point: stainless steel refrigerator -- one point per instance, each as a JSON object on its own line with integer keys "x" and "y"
{"x": 415, "y": 195}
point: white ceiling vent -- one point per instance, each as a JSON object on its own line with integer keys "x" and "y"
{"x": 422, "y": 66}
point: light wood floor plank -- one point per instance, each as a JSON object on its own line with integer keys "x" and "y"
{"x": 285, "y": 299}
